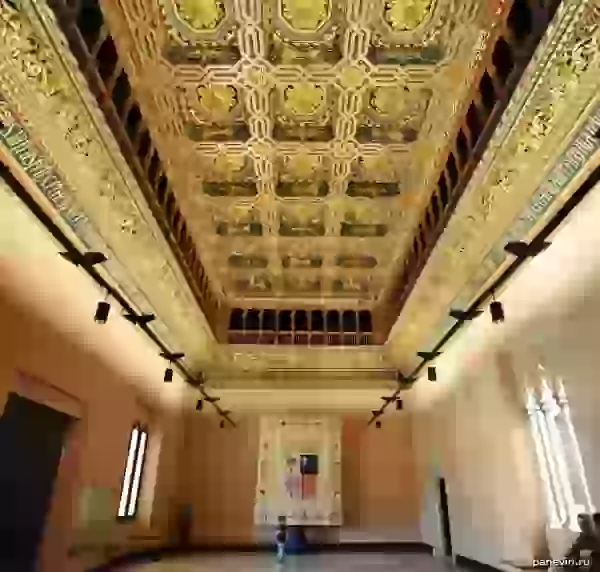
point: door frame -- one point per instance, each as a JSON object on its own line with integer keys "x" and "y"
{"x": 443, "y": 518}
{"x": 58, "y": 530}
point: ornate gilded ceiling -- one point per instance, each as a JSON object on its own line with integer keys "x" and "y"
{"x": 300, "y": 135}
{"x": 538, "y": 152}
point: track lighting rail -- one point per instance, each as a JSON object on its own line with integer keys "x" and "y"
{"x": 88, "y": 261}
{"x": 522, "y": 252}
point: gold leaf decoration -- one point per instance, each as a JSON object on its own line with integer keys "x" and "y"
{"x": 378, "y": 167}
{"x": 388, "y": 100}
{"x": 201, "y": 14}
{"x": 302, "y": 167}
{"x": 405, "y": 15}
{"x": 228, "y": 165}
{"x": 306, "y": 15}
{"x": 217, "y": 100}
{"x": 304, "y": 99}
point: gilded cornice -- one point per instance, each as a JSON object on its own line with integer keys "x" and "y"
{"x": 52, "y": 125}
{"x": 542, "y": 144}
{"x": 272, "y": 358}
{"x": 43, "y": 93}
{"x": 46, "y": 108}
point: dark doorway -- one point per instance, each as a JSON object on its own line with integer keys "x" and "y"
{"x": 444, "y": 518}
{"x": 31, "y": 443}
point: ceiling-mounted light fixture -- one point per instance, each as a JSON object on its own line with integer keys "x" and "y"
{"x": 141, "y": 320}
{"x": 378, "y": 424}
{"x": 171, "y": 357}
{"x": 211, "y": 399}
{"x": 428, "y": 356}
{"x": 199, "y": 405}
{"x": 496, "y": 310}
{"x": 389, "y": 399}
{"x": 222, "y": 424}
{"x": 87, "y": 259}
{"x": 431, "y": 373}
{"x": 399, "y": 404}
{"x": 377, "y": 413}
{"x": 197, "y": 381}
{"x": 522, "y": 249}
{"x": 404, "y": 381}
{"x": 465, "y": 316}
{"x": 102, "y": 311}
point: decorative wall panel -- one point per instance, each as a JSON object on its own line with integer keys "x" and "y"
{"x": 299, "y": 471}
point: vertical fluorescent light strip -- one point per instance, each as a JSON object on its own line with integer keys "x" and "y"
{"x": 542, "y": 460}
{"x": 128, "y": 471}
{"x": 139, "y": 463}
{"x": 562, "y": 394}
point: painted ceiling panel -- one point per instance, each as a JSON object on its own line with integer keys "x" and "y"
{"x": 301, "y": 122}
{"x": 283, "y": 199}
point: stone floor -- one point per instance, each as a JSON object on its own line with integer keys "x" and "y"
{"x": 313, "y": 563}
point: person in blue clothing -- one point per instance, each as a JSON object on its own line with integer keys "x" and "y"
{"x": 280, "y": 538}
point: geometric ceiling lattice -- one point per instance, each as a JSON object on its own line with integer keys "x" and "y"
{"x": 299, "y": 136}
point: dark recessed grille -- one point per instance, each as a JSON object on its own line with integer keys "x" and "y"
{"x": 83, "y": 24}
{"x": 301, "y": 327}
{"x": 508, "y": 58}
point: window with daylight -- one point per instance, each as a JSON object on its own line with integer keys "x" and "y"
{"x": 134, "y": 468}
{"x": 558, "y": 454}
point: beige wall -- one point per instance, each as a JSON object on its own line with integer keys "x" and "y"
{"x": 473, "y": 429}
{"x": 380, "y": 494}
{"x": 477, "y": 438}
{"x": 42, "y": 363}
{"x": 218, "y": 478}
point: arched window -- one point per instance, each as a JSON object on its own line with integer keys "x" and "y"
{"x": 558, "y": 454}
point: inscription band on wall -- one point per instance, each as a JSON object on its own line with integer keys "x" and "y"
{"x": 15, "y": 139}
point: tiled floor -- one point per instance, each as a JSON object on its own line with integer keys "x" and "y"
{"x": 309, "y": 563}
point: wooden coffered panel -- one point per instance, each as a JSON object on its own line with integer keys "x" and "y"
{"x": 301, "y": 158}
{"x": 300, "y": 137}
{"x": 60, "y": 130}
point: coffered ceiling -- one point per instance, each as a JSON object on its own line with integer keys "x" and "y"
{"x": 300, "y": 136}
{"x": 239, "y": 105}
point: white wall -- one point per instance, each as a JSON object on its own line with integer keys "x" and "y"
{"x": 473, "y": 418}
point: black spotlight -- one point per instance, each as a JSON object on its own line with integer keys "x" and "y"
{"x": 378, "y": 424}
{"x": 199, "y": 405}
{"x": 222, "y": 424}
{"x": 141, "y": 320}
{"x": 102, "y": 311}
{"x": 399, "y": 404}
{"x": 87, "y": 259}
{"x": 465, "y": 316}
{"x": 404, "y": 381}
{"x": 428, "y": 356}
{"x": 431, "y": 373}
{"x": 497, "y": 312}
{"x": 168, "y": 374}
